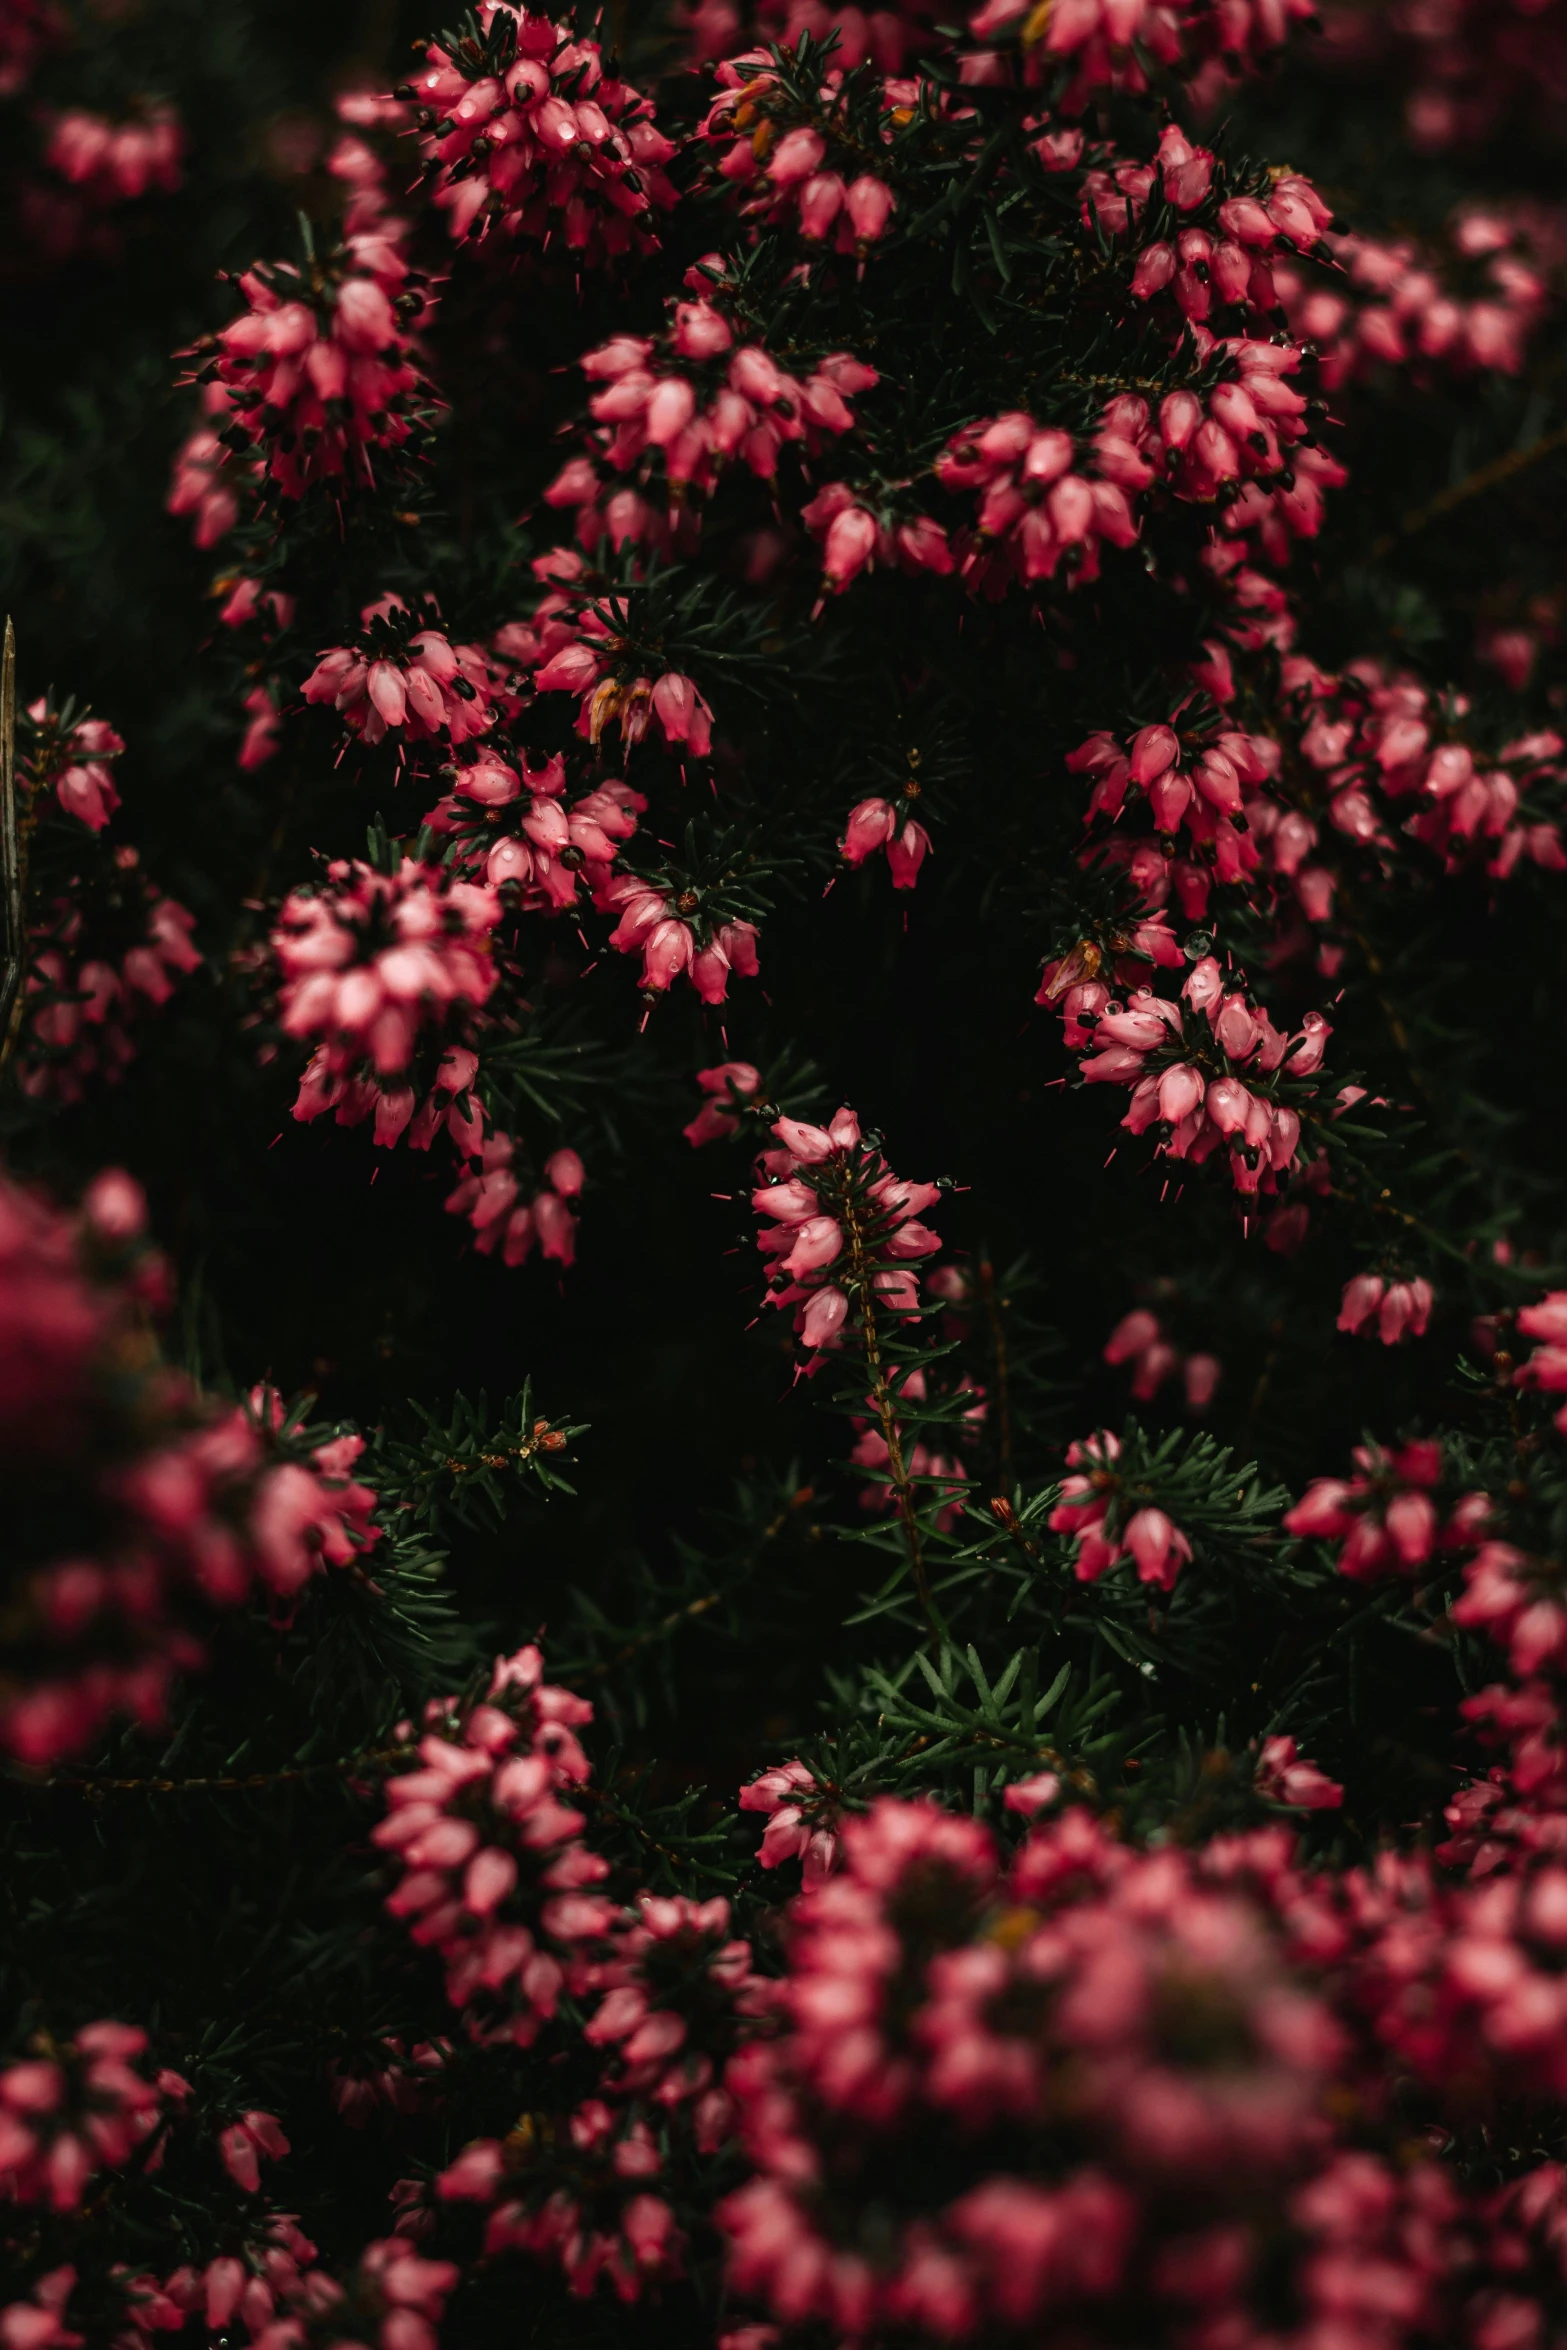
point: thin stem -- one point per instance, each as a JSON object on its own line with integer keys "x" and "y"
{"x": 13, "y": 969}
{"x": 882, "y": 1404}
{"x": 998, "y": 1349}
{"x": 640, "y": 1640}
{"x": 693, "y": 1609}
{"x": 511, "y": 1456}
{"x": 95, "y": 1789}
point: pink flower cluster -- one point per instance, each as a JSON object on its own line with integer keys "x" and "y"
{"x": 1397, "y": 310}
{"x": 360, "y": 169}
{"x": 695, "y": 399}
{"x": 1394, "y": 1309}
{"x": 38, "y": 2323}
{"x": 404, "y": 680}
{"x": 669, "y": 1961}
{"x": 1232, "y": 263}
{"x": 786, "y": 170}
{"x": 115, "y": 162}
{"x": 1110, "y": 1522}
{"x": 516, "y": 824}
{"x": 727, "y": 1085}
{"x": 1045, "y": 503}
{"x": 1109, "y": 44}
{"x": 1192, "y": 1088}
{"x": 604, "y": 2222}
{"x": 1466, "y": 69}
{"x": 105, "y": 945}
{"x": 1546, "y": 1366}
{"x": 375, "y": 966}
{"x": 1463, "y": 1986}
{"x": 393, "y": 2079}
{"x": 842, "y": 1226}
{"x": 1385, "y": 1517}
{"x": 494, "y": 1876}
{"x": 1140, "y": 1338}
{"x": 1518, "y": 1600}
{"x": 319, "y": 370}
{"x": 1517, "y": 1812}
{"x": 80, "y": 1004}
{"x": 489, "y": 1195}
{"x": 189, "y": 1510}
{"x": 912, "y": 2015}
{"x": 497, "y": 1880}
{"x": 1205, "y": 786}
{"x": 1376, "y": 739}
{"x": 803, "y": 1820}
{"x": 1037, "y": 509}
{"x": 855, "y": 537}
{"x": 527, "y": 138}
{"x": 72, "y": 757}
{"x": 1164, "y": 2090}
{"x": 277, "y": 2290}
{"x": 659, "y": 927}
{"x": 593, "y": 664}
{"x": 1372, "y": 739}
{"x": 242, "y": 2145}
{"x": 208, "y": 477}
{"x": 887, "y": 37}
{"x": 1515, "y": 1597}
{"x": 877, "y": 824}
{"x": 73, "y": 2110}
{"x": 1285, "y": 1775}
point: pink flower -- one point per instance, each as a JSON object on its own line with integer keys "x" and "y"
{"x": 1285, "y": 1776}
{"x": 850, "y": 544}
{"x": 490, "y": 1196}
{"x": 1139, "y": 1338}
{"x": 1032, "y": 1795}
{"x": 259, "y": 742}
{"x": 1093, "y": 1509}
{"x": 39, "y": 2322}
{"x": 241, "y": 2145}
{"x": 794, "y": 177}
{"x": 718, "y": 1118}
{"x": 802, "y": 1820}
{"x": 873, "y": 825}
{"x": 73, "y": 762}
{"x": 682, "y": 713}
{"x": 1158, "y": 1546}
{"x": 1385, "y": 1514}
{"x": 116, "y": 162}
{"x": 1398, "y": 1308}
{"x": 563, "y": 1172}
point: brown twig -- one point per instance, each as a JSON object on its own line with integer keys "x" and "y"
{"x": 1474, "y": 485}
{"x": 640, "y": 1640}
